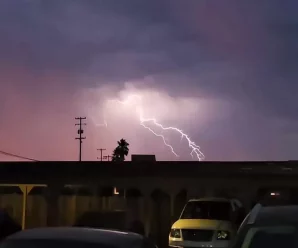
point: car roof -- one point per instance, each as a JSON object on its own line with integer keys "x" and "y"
{"x": 112, "y": 237}
{"x": 214, "y": 199}
{"x": 271, "y": 215}
{"x": 280, "y": 214}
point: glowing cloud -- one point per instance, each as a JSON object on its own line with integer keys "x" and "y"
{"x": 136, "y": 100}
{"x": 151, "y": 109}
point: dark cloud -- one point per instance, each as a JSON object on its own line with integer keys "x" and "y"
{"x": 241, "y": 53}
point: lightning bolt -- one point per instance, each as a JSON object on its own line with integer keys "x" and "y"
{"x": 135, "y": 99}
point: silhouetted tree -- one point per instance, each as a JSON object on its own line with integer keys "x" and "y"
{"x": 120, "y": 151}
{"x": 116, "y": 155}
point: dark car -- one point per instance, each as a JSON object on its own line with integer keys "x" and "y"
{"x": 75, "y": 237}
{"x": 109, "y": 220}
{"x": 272, "y": 227}
{"x": 102, "y": 220}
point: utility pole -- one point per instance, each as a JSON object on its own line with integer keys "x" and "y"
{"x": 107, "y": 157}
{"x": 80, "y": 132}
{"x": 101, "y": 150}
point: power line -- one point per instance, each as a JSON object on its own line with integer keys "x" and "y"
{"x": 80, "y": 132}
{"x": 17, "y": 156}
{"x": 101, "y": 150}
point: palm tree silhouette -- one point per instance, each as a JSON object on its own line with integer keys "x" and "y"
{"x": 120, "y": 151}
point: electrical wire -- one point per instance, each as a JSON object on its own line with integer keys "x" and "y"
{"x": 17, "y": 156}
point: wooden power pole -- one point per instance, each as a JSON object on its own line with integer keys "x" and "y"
{"x": 80, "y": 132}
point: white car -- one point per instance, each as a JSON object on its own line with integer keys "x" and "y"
{"x": 206, "y": 222}
{"x": 75, "y": 237}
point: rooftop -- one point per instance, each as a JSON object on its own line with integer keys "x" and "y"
{"x": 70, "y": 171}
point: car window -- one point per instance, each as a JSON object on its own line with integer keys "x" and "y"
{"x": 212, "y": 210}
{"x": 50, "y": 243}
{"x": 271, "y": 237}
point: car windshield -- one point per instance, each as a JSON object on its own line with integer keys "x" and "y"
{"x": 50, "y": 243}
{"x": 213, "y": 210}
{"x": 270, "y": 237}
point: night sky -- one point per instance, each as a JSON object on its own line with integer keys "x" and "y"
{"x": 225, "y": 72}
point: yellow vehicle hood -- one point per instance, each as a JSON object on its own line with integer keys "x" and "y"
{"x": 202, "y": 224}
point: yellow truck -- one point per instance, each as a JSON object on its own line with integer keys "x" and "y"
{"x": 206, "y": 222}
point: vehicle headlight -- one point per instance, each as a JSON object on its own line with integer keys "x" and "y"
{"x": 223, "y": 235}
{"x": 175, "y": 233}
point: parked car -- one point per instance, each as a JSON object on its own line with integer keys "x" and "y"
{"x": 269, "y": 226}
{"x": 75, "y": 237}
{"x": 109, "y": 220}
{"x": 102, "y": 220}
{"x": 206, "y": 222}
